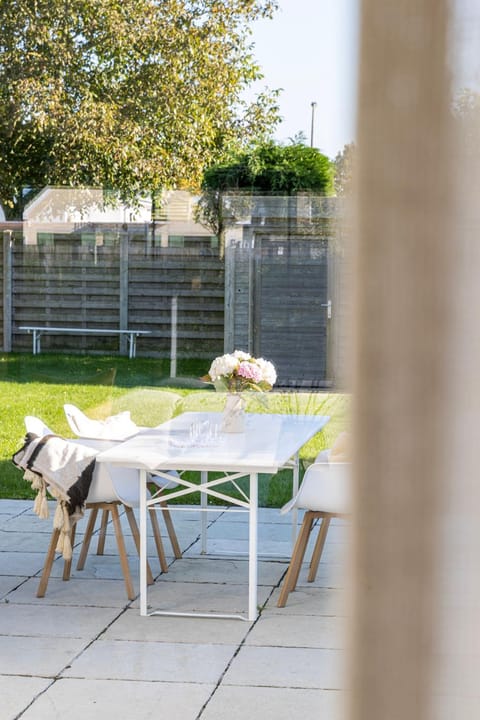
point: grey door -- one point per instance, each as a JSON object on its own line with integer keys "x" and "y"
{"x": 291, "y": 307}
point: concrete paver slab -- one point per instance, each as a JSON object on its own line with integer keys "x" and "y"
{"x": 205, "y": 597}
{"x": 149, "y": 661}
{"x": 21, "y": 563}
{"x": 307, "y": 631}
{"x": 9, "y": 583}
{"x": 105, "y": 699}
{"x": 203, "y": 569}
{"x": 165, "y": 628}
{"x": 239, "y": 703}
{"x": 37, "y": 656}
{"x": 18, "y": 692}
{"x": 311, "y": 600}
{"x": 85, "y": 593}
{"x": 63, "y": 622}
{"x": 304, "y": 668}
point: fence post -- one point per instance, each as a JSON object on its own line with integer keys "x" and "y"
{"x": 123, "y": 290}
{"x": 173, "y": 341}
{"x": 7, "y": 290}
{"x": 229, "y": 298}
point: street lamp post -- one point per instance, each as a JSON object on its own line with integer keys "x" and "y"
{"x": 314, "y": 105}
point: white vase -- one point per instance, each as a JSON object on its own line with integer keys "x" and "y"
{"x": 233, "y": 420}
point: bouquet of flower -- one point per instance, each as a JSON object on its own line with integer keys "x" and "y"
{"x": 240, "y": 371}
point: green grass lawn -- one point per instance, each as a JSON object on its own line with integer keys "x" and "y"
{"x": 40, "y": 385}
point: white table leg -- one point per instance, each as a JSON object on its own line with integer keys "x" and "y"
{"x": 252, "y": 548}
{"x": 143, "y": 541}
{"x": 203, "y": 513}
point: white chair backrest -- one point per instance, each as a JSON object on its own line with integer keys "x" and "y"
{"x": 36, "y": 426}
{"x": 325, "y": 487}
{"x": 115, "y": 427}
{"x": 74, "y": 418}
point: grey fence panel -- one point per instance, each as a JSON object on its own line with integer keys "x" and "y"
{"x": 66, "y": 284}
{"x": 75, "y": 285}
{"x": 195, "y": 282}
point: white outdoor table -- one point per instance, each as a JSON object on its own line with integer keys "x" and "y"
{"x": 269, "y": 443}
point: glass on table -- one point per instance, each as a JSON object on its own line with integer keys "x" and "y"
{"x": 203, "y": 433}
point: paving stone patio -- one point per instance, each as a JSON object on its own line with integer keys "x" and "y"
{"x": 84, "y": 652}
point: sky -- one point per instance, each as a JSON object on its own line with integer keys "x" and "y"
{"x": 310, "y": 50}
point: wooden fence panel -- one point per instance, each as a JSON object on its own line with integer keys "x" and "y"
{"x": 196, "y": 282}
{"x": 80, "y": 285}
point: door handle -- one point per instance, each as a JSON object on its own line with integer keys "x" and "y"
{"x": 328, "y": 305}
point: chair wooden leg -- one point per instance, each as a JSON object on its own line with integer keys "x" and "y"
{"x": 88, "y": 536}
{"x": 171, "y": 530}
{"x": 293, "y": 571}
{"x": 318, "y": 549}
{"x": 122, "y": 552}
{"x": 47, "y": 568}
{"x": 136, "y": 537}
{"x": 309, "y": 519}
{"x": 67, "y": 566}
{"x": 158, "y": 540}
{"x": 102, "y": 533}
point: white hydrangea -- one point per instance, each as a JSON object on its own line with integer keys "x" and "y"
{"x": 241, "y": 355}
{"x": 268, "y": 371}
{"x": 223, "y": 365}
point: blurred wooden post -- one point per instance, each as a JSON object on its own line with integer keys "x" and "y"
{"x": 404, "y": 329}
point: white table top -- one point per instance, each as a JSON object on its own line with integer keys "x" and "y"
{"x": 268, "y": 443}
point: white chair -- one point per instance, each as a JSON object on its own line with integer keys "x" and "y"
{"x": 117, "y": 428}
{"x": 110, "y": 489}
{"x": 323, "y": 494}
{"x": 37, "y": 426}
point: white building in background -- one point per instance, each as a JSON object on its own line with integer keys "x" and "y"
{"x": 63, "y": 211}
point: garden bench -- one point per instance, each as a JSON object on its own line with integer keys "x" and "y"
{"x": 38, "y": 331}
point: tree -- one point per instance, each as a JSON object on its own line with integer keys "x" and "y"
{"x": 133, "y": 95}
{"x": 267, "y": 168}
{"x": 344, "y": 164}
